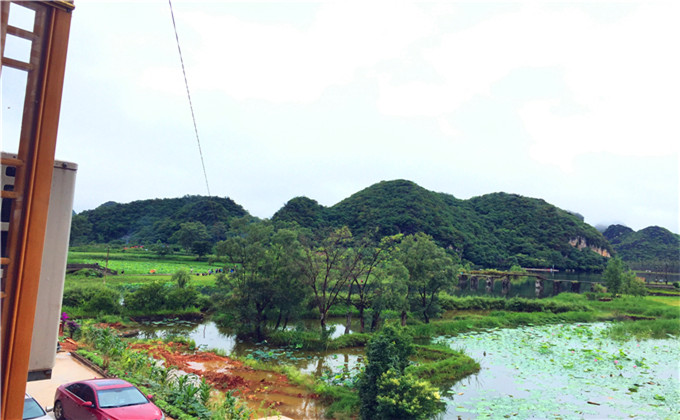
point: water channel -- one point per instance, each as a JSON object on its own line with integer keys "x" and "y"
{"x": 552, "y": 284}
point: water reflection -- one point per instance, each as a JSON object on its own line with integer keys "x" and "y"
{"x": 208, "y": 335}
{"x": 291, "y": 401}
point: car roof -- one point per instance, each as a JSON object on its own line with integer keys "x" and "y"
{"x": 106, "y": 383}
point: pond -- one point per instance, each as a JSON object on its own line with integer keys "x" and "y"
{"x": 290, "y": 400}
{"x": 207, "y": 335}
{"x": 565, "y": 371}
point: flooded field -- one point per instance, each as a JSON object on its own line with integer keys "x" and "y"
{"x": 558, "y": 371}
{"x": 271, "y": 392}
{"x": 566, "y": 371}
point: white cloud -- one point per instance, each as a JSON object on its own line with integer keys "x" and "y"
{"x": 621, "y": 74}
{"x": 286, "y": 63}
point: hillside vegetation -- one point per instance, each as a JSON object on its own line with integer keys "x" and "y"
{"x": 493, "y": 230}
{"x": 652, "y": 248}
{"x": 150, "y": 221}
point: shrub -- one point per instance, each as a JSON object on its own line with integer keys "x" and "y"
{"x": 93, "y": 300}
{"x": 403, "y": 396}
{"x": 147, "y": 298}
{"x": 390, "y": 348}
{"x": 178, "y": 298}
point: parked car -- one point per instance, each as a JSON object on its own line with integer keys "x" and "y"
{"x": 33, "y": 410}
{"x": 100, "y": 399}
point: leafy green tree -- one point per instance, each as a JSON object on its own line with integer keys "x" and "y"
{"x": 149, "y": 297}
{"x": 619, "y": 279}
{"x": 403, "y": 396}
{"x": 202, "y": 248}
{"x": 266, "y": 277}
{"x": 189, "y": 233}
{"x": 181, "y": 277}
{"x": 160, "y": 249}
{"x": 370, "y": 276}
{"x": 633, "y": 285}
{"x": 81, "y": 229}
{"x": 391, "y": 291}
{"x": 328, "y": 268}
{"x": 290, "y": 293}
{"x": 93, "y": 300}
{"x": 252, "y": 289}
{"x": 181, "y": 298}
{"x": 430, "y": 270}
{"x": 389, "y": 349}
{"x": 613, "y": 275}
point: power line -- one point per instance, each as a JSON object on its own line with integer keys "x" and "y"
{"x": 186, "y": 83}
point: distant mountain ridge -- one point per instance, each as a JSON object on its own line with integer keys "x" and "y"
{"x": 148, "y": 221}
{"x": 492, "y": 230}
{"x": 653, "y": 247}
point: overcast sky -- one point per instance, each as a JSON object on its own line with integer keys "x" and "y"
{"x": 575, "y": 104}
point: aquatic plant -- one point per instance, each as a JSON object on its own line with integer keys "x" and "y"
{"x": 567, "y": 371}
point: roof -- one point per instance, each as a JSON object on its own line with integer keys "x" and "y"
{"x": 107, "y": 383}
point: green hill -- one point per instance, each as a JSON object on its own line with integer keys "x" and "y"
{"x": 493, "y": 230}
{"x": 652, "y": 248}
{"x": 148, "y": 221}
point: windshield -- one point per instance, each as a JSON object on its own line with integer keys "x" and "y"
{"x": 120, "y": 397}
{"x": 32, "y": 409}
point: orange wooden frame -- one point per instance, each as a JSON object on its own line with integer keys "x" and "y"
{"x": 37, "y": 143}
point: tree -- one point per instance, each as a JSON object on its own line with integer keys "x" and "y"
{"x": 201, "y": 248}
{"x": 370, "y": 275}
{"x": 633, "y": 285}
{"x": 81, "y": 229}
{"x": 430, "y": 269}
{"x": 613, "y": 275}
{"x": 385, "y": 390}
{"x": 403, "y": 396}
{"x": 290, "y": 293}
{"x": 181, "y": 277}
{"x": 328, "y": 268}
{"x": 160, "y": 249}
{"x": 265, "y": 281}
{"x": 619, "y": 279}
{"x": 252, "y": 290}
{"x": 189, "y": 233}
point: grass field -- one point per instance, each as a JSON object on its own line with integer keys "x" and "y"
{"x": 140, "y": 262}
{"x": 135, "y": 267}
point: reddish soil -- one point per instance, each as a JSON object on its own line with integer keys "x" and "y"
{"x": 225, "y": 374}
{"x": 262, "y": 390}
{"x": 69, "y": 345}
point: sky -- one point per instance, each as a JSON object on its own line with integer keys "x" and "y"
{"x": 577, "y": 104}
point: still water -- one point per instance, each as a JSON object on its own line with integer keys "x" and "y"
{"x": 553, "y": 284}
{"x": 565, "y": 371}
{"x": 207, "y": 335}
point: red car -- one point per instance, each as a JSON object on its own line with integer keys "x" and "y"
{"x": 103, "y": 399}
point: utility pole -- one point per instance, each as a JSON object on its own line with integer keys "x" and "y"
{"x": 106, "y": 267}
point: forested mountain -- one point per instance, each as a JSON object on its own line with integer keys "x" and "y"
{"x": 493, "y": 230}
{"x": 148, "y": 221}
{"x": 652, "y": 248}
